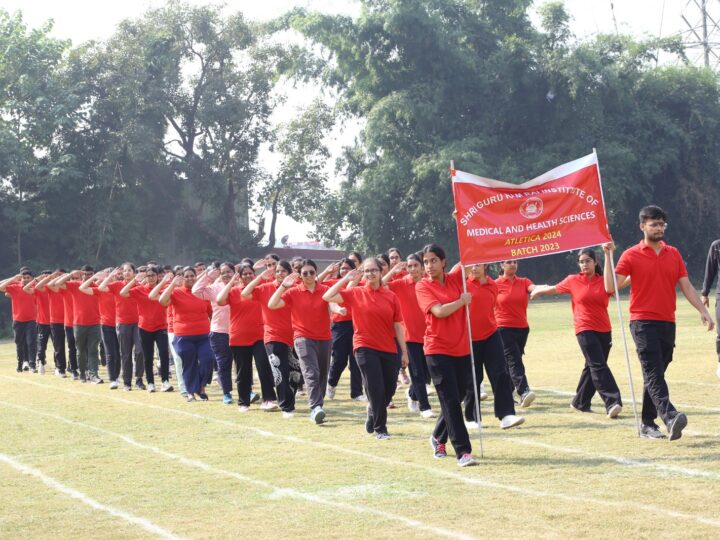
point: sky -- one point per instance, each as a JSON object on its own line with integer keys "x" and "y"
{"x": 84, "y": 20}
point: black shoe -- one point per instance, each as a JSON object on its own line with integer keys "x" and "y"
{"x": 140, "y": 385}
{"x": 203, "y": 396}
{"x": 650, "y": 431}
{"x": 254, "y": 398}
{"x": 676, "y": 426}
{"x": 75, "y": 375}
{"x": 369, "y": 422}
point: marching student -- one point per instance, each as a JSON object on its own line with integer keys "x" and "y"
{"x": 24, "y": 324}
{"x": 57, "y": 321}
{"x": 311, "y": 330}
{"x": 511, "y": 315}
{"x": 488, "y": 350}
{"x": 712, "y": 266}
{"x": 342, "y": 342}
{"x": 655, "y": 269}
{"x": 152, "y": 325}
{"x": 42, "y": 299}
{"x": 177, "y": 361}
{"x": 377, "y": 321}
{"x": 191, "y": 325}
{"x": 207, "y": 287}
{"x": 86, "y": 321}
{"x": 593, "y": 331}
{"x": 108, "y": 333}
{"x": 246, "y": 341}
{"x": 68, "y": 318}
{"x": 447, "y": 350}
{"x": 278, "y": 333}
{"x": 414, "y": 330}
{"x": 128, "y": 332}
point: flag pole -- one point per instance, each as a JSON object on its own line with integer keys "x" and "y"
{"x": 620, "y": 317}
{"x": 472, "y": 354}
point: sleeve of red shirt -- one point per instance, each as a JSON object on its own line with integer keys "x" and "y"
{"x": 138, "y": 293}
{"x": 287, "y": 296}
{"x": 623, "y": 266}
{"x": 397, "y": 314}
{"x": 425, "y": 297}
{"x": 347, "y": 296}
{"x": 564, "y": 286}
{"x": 528, "y": 283}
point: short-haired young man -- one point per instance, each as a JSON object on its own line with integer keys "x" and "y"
{"x": 655, "y": 269}
{"x": 23, "y": 316}
{"x": 712, "y": 268}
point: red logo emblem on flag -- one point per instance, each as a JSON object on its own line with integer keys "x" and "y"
{"x": 531, "y": 208}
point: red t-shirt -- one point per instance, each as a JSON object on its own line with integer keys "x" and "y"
{"x": 246, "y": 322}
{"x": 85, "y": 306}
{"x": 413, "y": 316}
{"x": 69, "y": 317}
{"x": 482, "y": 308}
{"x": 653, "y": 281}
{"x": 106, "y": 305}
{"x": 512, "y": 302}
{"x": 589, "y": 302}
{"x": 42, "y": 299}
{"x": 448, "y": 335}
{"x": 376, "y": 311}
{"x": 57, "y": 307}
{"x": 278, "y": 326}
{"x": 151, "y": 313}
{"x": 190, "y": 313}
{"x": 23, "y": 304}
{"x": 309, "y": 312}
{"x": 336, "y": 317}
{"x": 125, "y": 307}
{"x": 401, "y": 274}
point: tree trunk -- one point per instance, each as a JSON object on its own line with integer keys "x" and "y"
{"x": 273, "y": 221}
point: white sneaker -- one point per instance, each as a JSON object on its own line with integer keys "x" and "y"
{"x": 166, "y": 386}
{"x": 614, "y": 411}
{"x": 317, "y": 415}
{"x": 483, "y": 393}
{"x": 427, "y": 413}
{"x": 41, "y": 369}
{"x": 113, "y": 385}
{"x": 268, "y": 406}
{"x": 330, "y": 392}
{"x": 361, "y": 397}
{"x": 510, "y": 421}
{"x": 26, "y": 366}
{"x": 243, "y": 408}
{"x": 151, "y": 388}
{"x": 527, "y": 399}
{"x": 288, "y": 414}
{"x": 413, "y": 405}
{"x": 59, "y": 374}
{"x": 472, "y": 425}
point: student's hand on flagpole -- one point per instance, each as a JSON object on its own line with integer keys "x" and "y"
{"x": 465, "y": 298}
{"x": 608, "y": 247}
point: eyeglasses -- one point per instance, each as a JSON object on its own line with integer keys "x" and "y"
{"x": 371, "y": 270}
{"x": 308, "y": 273}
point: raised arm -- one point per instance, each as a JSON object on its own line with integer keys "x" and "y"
{"x": 276, "y": 301}
{"x": 157, "y": 290}
{"x": 333, "y": 293}
{"x": 399, "y": 267}
{"x": 247, "y": 291}
{"x": 225, "y": 292}
{"x": 203, "y": 282}
{"x": 445, "y": 310}
{"x": 622, "y": 281}
{"x": 86, "y": 286}
{"x": 105, "y": 282}
{"x": 330, "y": 270}
{"x": 691, "y": 294}
{"x": 167, "y": 293}
{"x": 5, "y": 282}
{"x": 543, "y": 290}
{"x": 40, "y": 285}
{"x": 125, "y": 291}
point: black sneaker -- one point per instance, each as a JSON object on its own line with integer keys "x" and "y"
{"x": 140, "y": 385}
{"x": 254, "y": 398}
{"x": 203, "y": 396}
{"x": 651, "y": 431}
{"x": 676, "y": 426}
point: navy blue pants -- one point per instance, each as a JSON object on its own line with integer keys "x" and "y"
{"x": 220, "y": 344}
{"x": 197, "y": 359}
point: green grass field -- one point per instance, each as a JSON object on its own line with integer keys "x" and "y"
{"x": 82, "y": 461}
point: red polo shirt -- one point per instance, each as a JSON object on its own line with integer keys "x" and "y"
{"x": 413, "y": 316}
{"x": 69, "y": 315}
{"x": 246, "y": 322}
{"x": 23, "y": 304}
{"x": 309, "y": 312}
{"x": 57, "y": 307}
{"x": 448, "y": 335}
{"x": 589, "y": 302}
{"x": 125, "y": 307}
{"x": 85, "y": 306}
{"x": 482, "y": 308}
{"x": 376, "y": 311}
{"x": 151, "y": 313}
{"x": 42, "y": 298}
{"x": 106, "y": 305}
{"x": 278, "y": 326}
{"x": 190, "y": 313}
{"x": 336, "y": 317}
{"x": 512, "y": 302}
{"x": 653, "y": 280}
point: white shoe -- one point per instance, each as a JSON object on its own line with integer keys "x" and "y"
{"x": 41, "y": 369}
{"x": 430, "y": 389}
{"x": 361, "y": 397}
{"x": 317, "y": 415}
{"x": 59, "y": 374}
{"x": 166, "y": 386}
{"x": 472, "y": 425}
{"x": 26, "y": 366}
{"x": 113, "y": 385}
{"x": 287, "y": 414}
{"x": 243, "y": 408}
{"x": 483, "y": 393}
{"x": 268, "y": 406}
{"x": 413, "y": 405}
{"x": 427, "y": 413}
{"x": 330, "y": 392}
{"x": 151, "y": 388}
{"x": 614, "y": 411}
{"x": 527, "y": 399}
{"x": 510, "y": 421}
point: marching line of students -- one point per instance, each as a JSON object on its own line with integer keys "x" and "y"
{"x": 376, "y": 316}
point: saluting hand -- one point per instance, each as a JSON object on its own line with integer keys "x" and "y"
{"x": 177, "y": 281}
{"x": 290, "y": 280}
{"x": 213, "y": 274}
{"x": 268, "y": 273}
{"x": 353, "y": 275}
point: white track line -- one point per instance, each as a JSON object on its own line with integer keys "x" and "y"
{"x": 276, "y": 491}
{"x": 92, "y": 503}
{"x": 435, "y": 471}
